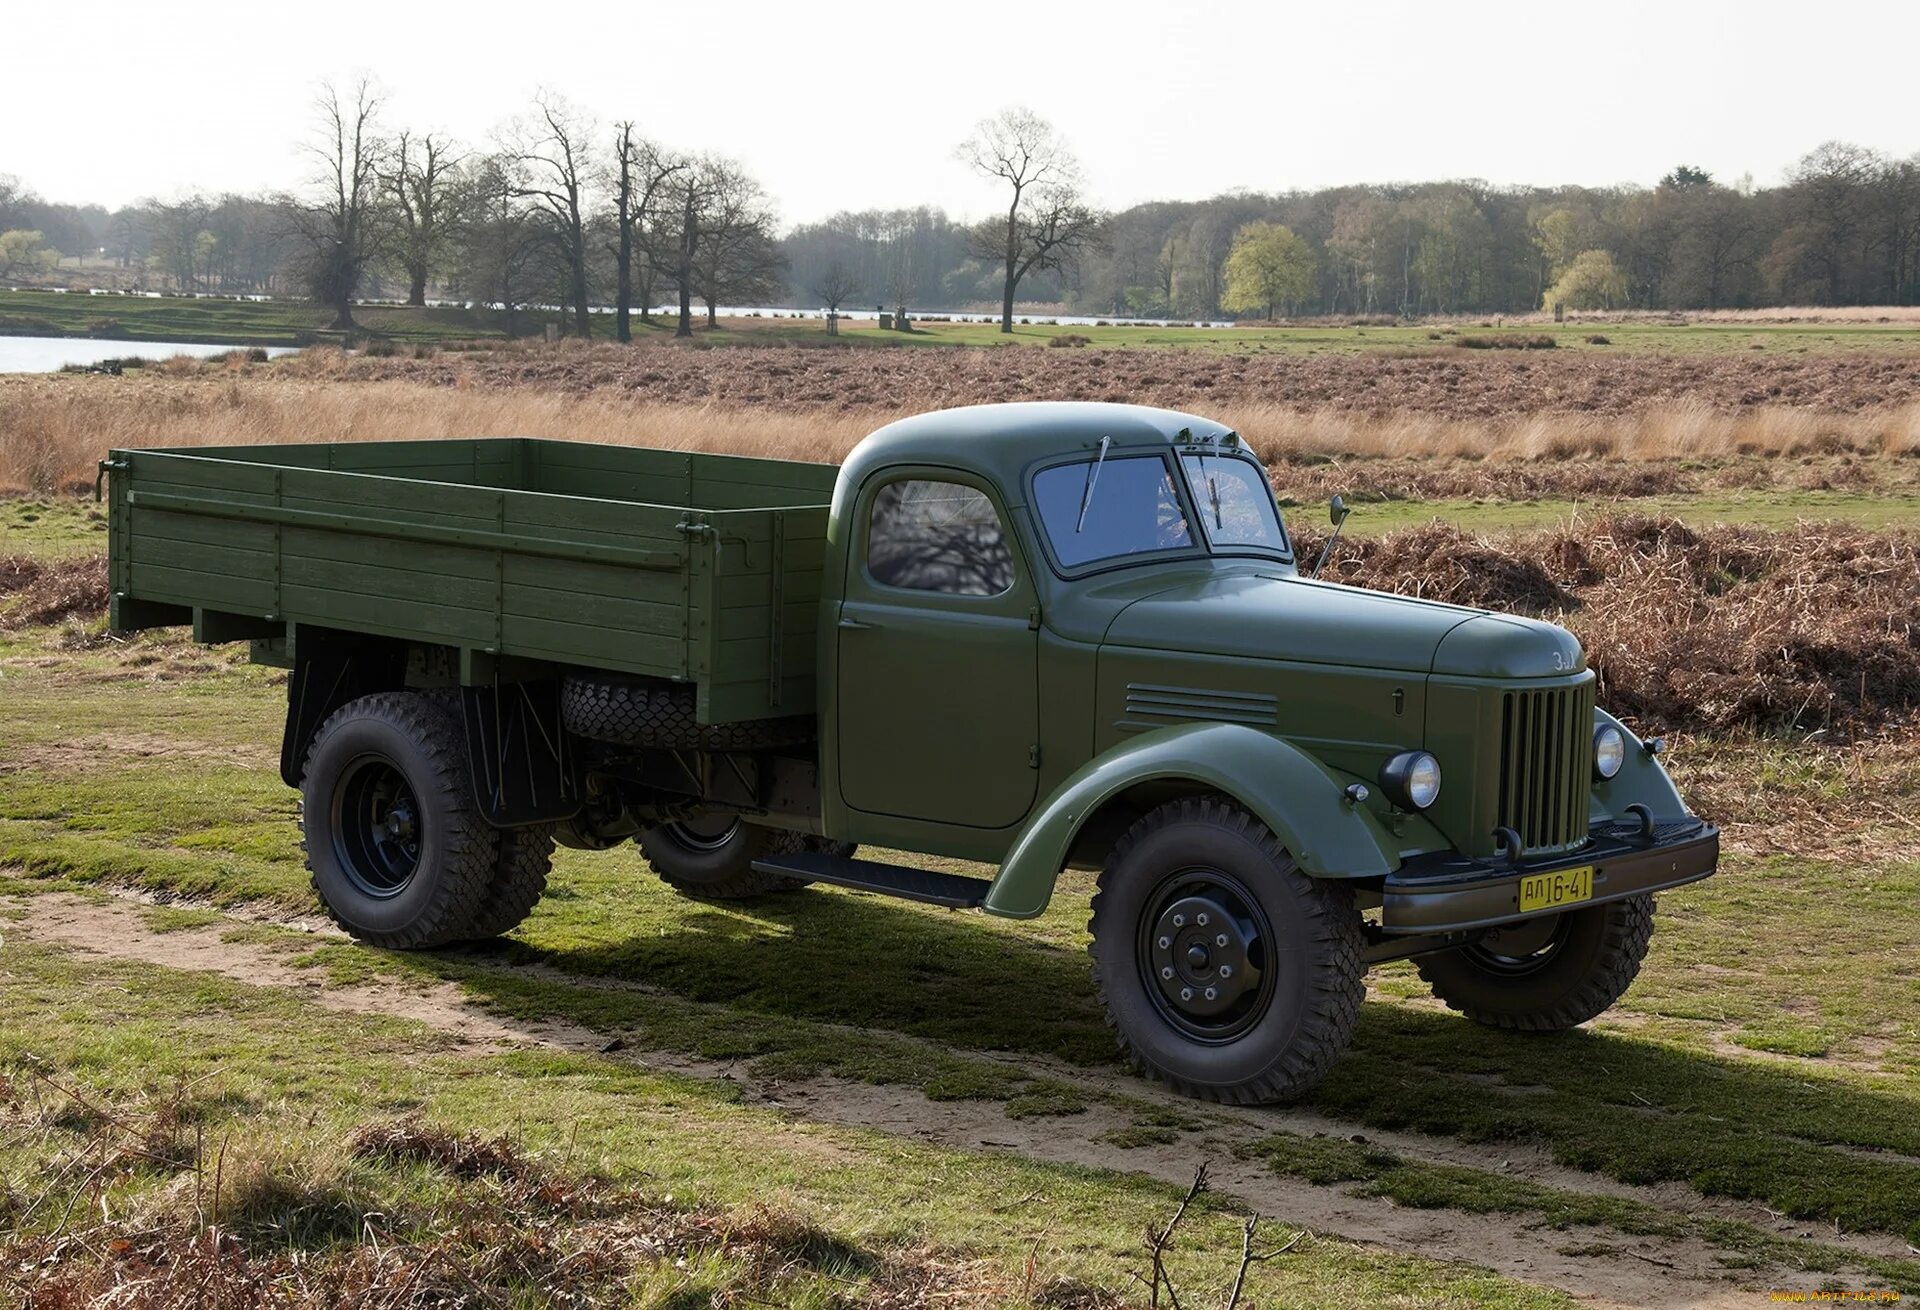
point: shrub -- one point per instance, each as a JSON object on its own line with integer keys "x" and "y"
{"x": 1070, "y": 339}
{"x": 1509, "y": 341}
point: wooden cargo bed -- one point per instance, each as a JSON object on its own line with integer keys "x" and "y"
{"x": 701, "y": 568}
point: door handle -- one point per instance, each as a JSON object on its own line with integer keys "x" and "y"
{"x": 855, "y": 625}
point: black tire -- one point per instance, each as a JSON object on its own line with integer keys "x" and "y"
{"x": 1287, "y": 1010}
{"x": 398, "y": 853}
{"x": 711, "y": 858}
{"x": 643, "y": 712}
{"x": 519, "y": 880}
{"x": 1563, "y": 973}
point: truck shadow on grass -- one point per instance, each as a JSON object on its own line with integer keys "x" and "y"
{"x": 871, "y": 989}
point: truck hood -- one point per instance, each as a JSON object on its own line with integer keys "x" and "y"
{"x": 1278, "y": 617}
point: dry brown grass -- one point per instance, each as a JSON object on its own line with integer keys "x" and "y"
{"x": 35, "y": 591}
{"x": 54, "y": 430}
{"x": 257, "y": 1225}
{"x": 1714, "y": 630}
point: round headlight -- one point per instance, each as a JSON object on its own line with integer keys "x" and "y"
{"x": 1411, "y": 780}
{"x": 1609, "y": 750}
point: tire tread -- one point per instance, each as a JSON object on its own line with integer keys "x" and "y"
{"x": 470, "y": 847}
{"x": 1627, "y": 934}
{"x": 1339, "y": 968}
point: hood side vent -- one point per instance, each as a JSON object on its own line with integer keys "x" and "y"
{"x": 1155, "y": 705}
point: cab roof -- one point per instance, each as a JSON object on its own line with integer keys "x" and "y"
{"x": 1002, "y": 440}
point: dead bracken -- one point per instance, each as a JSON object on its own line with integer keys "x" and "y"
{"x": 35, "y": 591}
{"x": 1813, "y": 627}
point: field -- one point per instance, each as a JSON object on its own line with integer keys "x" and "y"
{"x": 827, "y": 1099}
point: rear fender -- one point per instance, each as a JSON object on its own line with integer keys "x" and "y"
{"x": 1295, "y": 795}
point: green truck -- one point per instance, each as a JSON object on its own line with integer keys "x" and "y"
{"x": 1035, "y": 636}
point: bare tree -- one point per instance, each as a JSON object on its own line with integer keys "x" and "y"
{"x": 502, "y": 250}
{"x": 838, "y": 284}
{"x": 417, "y": 176}
{"x": 639, "y": 175}
{"x": 339, "y": 226}
{"x": 738, "y": 258}
{"x": 551, "y": 155}
{"x": 715, "y": 238}
{"x": 1047, "y": 221}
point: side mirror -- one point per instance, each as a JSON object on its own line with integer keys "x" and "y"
{"x": 1337, "y": 512}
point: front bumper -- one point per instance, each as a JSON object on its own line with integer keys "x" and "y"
{"x": 1451, "y": 893}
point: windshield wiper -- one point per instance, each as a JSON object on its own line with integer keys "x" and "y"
{"x": 1213, "y": 489}
{"x": 1093, "y": 476}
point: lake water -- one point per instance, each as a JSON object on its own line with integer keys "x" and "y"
{"x": 51, "y": 354}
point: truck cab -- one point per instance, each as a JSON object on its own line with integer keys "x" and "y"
{"x": 1033, "y": 636}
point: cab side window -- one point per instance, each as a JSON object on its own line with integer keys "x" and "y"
{"x": 938, "y": 536}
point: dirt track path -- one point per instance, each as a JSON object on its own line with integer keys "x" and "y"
{"x": 1602, "y": 1268}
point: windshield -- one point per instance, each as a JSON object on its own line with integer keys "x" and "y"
{"x": 1233, "y": 501}
{"x": 1133, "y": 509}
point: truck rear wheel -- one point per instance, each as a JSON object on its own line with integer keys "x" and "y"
{"x": 519, "y": 881}
{"x": 1544, "y": 975}
{"x": 649, "y": 712}
{"x": 398, "y": 853}
{"x": 711, "y": 857}
{"x": 1228, "y": 973}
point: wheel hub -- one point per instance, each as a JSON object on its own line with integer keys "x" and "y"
{"x": 376, "y": 827}
{"x": 1203, "y": 951}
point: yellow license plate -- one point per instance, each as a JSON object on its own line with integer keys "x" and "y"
{"x": 1544, "y": 891}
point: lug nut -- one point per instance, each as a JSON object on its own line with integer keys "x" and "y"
{"x": 1221, "y": 940}
{"x": 1166, "y": 943}
{"x": 1212, "y": 995}
{"x": 1167, "y": 973}
{"x": 1179, "y": 920}
{"x": 1201, "y": 920}
{"x": 1226, "y": 971}
{"x": 1186, "y": 993}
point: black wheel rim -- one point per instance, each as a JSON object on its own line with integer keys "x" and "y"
{"x": 377, "y": 827}
{"x": 1522, "y": 949}
{"x": 1204, "y": 954}
{"x": 709, "y": 832}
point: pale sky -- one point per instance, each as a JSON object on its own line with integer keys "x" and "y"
{"x": 846, "y": 104}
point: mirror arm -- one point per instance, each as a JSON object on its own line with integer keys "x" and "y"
{"x": 1327, "y": 549}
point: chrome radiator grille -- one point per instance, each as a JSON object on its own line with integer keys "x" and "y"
{"x": 1546, "y": 766}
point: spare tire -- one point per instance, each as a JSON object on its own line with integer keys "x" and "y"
{"x": 630, "y": 711}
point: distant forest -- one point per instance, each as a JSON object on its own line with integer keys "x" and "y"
{"x": 505, "y": 223}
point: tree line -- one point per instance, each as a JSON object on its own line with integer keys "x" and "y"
{"x": 558, "y": 214}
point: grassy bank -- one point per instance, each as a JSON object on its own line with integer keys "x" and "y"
{"x": 220, "y": 322}
{"x": 292, "y": 322}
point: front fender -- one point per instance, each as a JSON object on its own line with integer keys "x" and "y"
{"x": 1295, "y": 795}
{"x": 1642, "y": 780}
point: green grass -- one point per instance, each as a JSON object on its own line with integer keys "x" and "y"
{"x": 239, "y": 322}
{"x": 245, "y": 322}
{"x": 833, "y": 982}
{"x": 51, "y": 526}
{"x": 1251, "y": 338}
{"x": 282, "y": 1086}
{"x": 1426, "y": 1186}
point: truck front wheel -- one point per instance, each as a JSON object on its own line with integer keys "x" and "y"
{"x": 1228, "y": 973}
{"x": 711, "y": 857}
{"x": 1543, "y": 975}
{"x": 398, "y": 853}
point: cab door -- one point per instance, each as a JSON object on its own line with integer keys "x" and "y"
{"x": 938, "y": 657}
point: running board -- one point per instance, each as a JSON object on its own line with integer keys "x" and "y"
{"x": 948, "y": 889}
